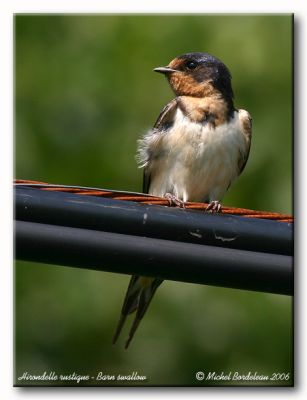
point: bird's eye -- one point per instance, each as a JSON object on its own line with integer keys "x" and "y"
{"x": 191, "y": 65}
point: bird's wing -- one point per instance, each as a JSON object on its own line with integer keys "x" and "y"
{"x": 166, "y": 116}
{"x": 246, "y": 129}
{"x": 163, "y": 123}
{"x": 141, "y": 289}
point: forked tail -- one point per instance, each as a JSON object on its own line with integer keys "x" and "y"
{"x": 138, "y": 297}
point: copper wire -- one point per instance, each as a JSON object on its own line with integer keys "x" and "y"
{"x": 149, "y": 199}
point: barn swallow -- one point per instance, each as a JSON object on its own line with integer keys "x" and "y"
{"x": 198, "y": 146}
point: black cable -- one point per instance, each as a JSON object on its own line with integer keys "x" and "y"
{"x": 154, "y": 221}
{"x": 165, "y": 259}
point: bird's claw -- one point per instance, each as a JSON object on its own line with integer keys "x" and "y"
{"x": 174, "y": 201}
{"x": 214, "y": 207}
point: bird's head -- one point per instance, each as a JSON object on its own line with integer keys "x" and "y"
{"x": 198, "y": 75}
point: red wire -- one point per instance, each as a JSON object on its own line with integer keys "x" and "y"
{"x": 143, "y": 198}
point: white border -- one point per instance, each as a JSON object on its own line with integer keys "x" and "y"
{"x": 6, "y": 281}
{"x": 150, "y": 6}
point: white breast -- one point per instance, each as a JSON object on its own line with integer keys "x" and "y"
{"x": 194, "y": 161}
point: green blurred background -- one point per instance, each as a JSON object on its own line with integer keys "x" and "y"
{"x": 84, "y": 93}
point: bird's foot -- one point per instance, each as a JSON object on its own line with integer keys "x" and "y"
{"x": 214, "y": 207}
{"x": 174, "y": 201}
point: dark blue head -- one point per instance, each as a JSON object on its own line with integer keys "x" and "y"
{"x": 198, "y": 74}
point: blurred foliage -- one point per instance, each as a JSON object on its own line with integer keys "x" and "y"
{"x": 84, "y": 93}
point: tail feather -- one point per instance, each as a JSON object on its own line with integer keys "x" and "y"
{"x": 134, "y": 326}
{"x": 129, "y": 306}
{"x": 119, "y": 328}
{"x": 138, "y": 297}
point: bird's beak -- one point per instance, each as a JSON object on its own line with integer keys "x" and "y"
{"x": 165, "y": 70}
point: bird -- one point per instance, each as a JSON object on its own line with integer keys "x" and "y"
{"x": 198, "y": 146}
